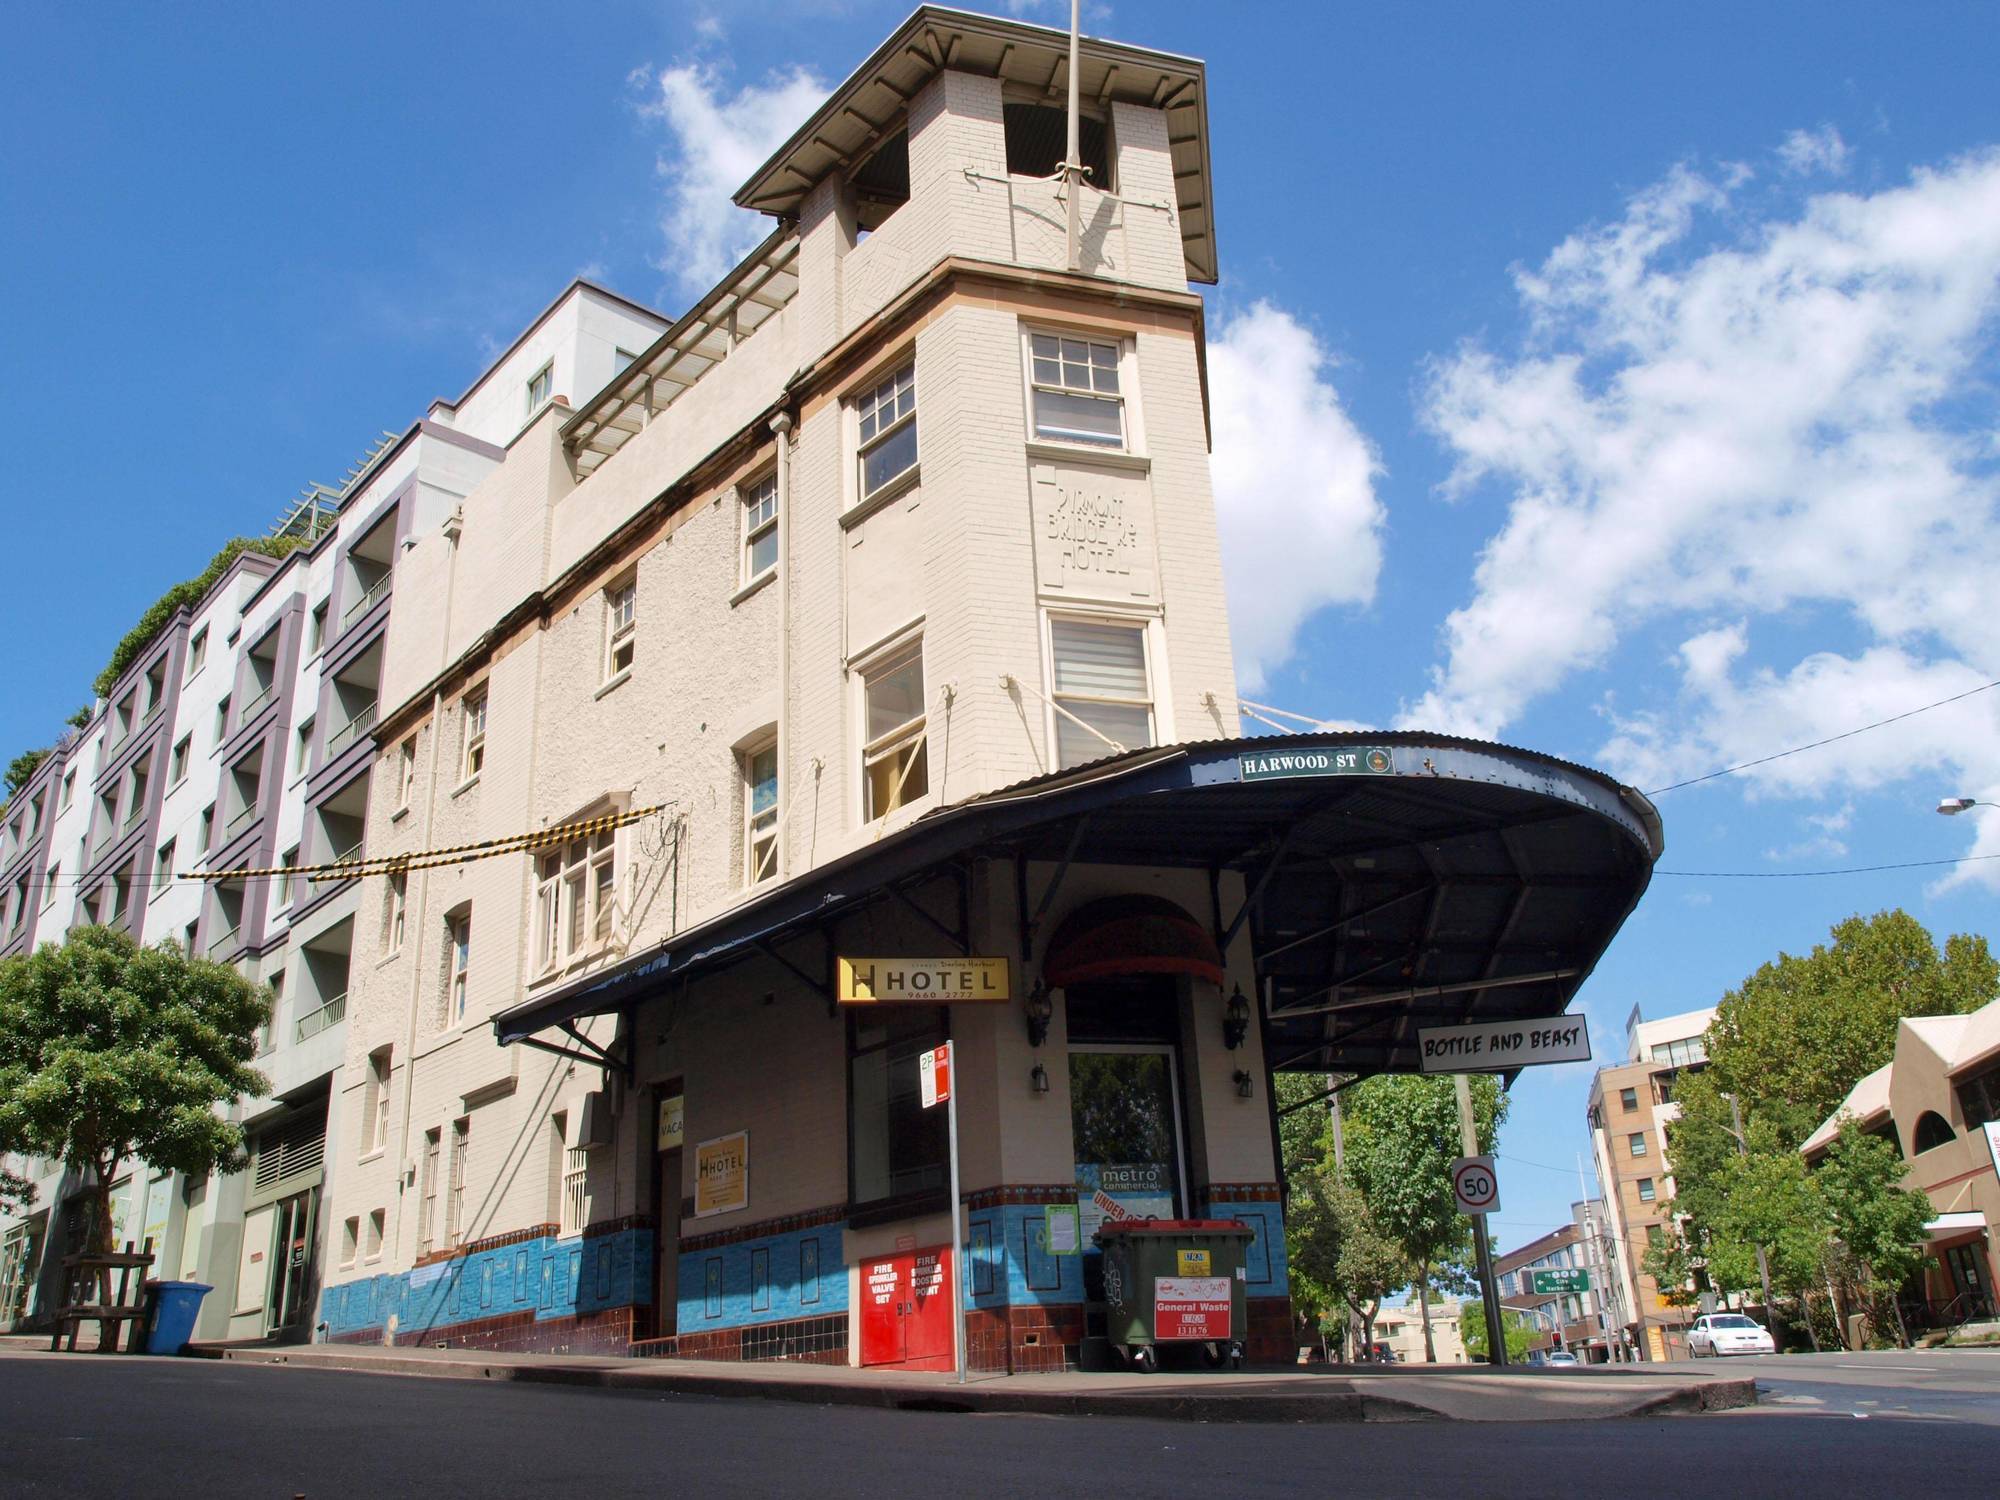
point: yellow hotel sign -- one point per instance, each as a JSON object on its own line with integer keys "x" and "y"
{"x": 722, "y": 1174}
{"x": 923, "y": 981}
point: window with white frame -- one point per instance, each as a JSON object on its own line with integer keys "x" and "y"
{"x": 760, "y": 813}
{"x": 302, "y": 748}
{"x": 427, "y": 1213}
{"x": 458, "y": 930}
{"x": 395, "y": 910}
{"x": 375, "y": 1103}
{"x": 461, "y": 1149}
{"x": 621, "y": 627}
{"x": 760, "y": 528}
{"x": 177, "y": 762}
{"x": 406, "y": 772}
{"x": 895, "y": 767}
{"x": 1073, "y": 389}
{"x": 888, "y": 432}
{"x": 197, "y": 651}
{"x": 1099, "y": 679}
{"x": 576, "y": 906}
{"x": 474, "y": 713}
{"x": 541, "y": 385}
{"x": 576, "y": 1184}
{"x": 288, "y": 862}
{"x": 163, "y": 868}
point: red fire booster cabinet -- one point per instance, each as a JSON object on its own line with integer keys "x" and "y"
{"x": 906, "y": 1309}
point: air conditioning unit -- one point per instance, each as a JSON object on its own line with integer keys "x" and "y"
{"x": 600, "y": 1120}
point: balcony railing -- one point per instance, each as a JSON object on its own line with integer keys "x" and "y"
{"x": 322, "y": 883}
{"x": 352, "y": 730}
{"x": 250, "y": 710}
{"x": 243, "y": 819}
{"x": 362, "y": 605}
{"x": 223, "y": 941}
{"x": 313, "y": 1022}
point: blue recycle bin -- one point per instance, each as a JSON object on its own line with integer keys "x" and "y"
{"x": 175, "y": 1304}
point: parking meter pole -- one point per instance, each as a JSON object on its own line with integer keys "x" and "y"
{"x": 1489, "y": 1289}
{"x": 958, "y": 1279}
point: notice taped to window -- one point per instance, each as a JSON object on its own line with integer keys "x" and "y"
{"x": 1190, "y": 1307}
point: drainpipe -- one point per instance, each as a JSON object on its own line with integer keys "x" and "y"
{"x": 419, "y": 908}
{"x": 781, "y": 424}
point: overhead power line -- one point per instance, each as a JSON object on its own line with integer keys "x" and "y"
{"x": 1911, "y": 864}
{"x": 1848, "y": 734}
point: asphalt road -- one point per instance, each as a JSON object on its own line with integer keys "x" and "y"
{"x": 133, "y": 1428}
{"x": 1952, "y": 1385}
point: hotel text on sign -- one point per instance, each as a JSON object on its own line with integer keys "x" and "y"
{"x": 923, "y": 981}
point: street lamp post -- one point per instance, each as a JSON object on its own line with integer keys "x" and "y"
{"x": 1951, "y": 807}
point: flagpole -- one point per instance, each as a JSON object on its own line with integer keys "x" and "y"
{"x": 1072, "y": 162}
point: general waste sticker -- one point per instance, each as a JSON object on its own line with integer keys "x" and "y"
{"x": 1275, "y": 765}
{"x": 1190, "y": 1307}
{"x": 1501, "y": 1046}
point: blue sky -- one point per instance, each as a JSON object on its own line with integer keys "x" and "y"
{"x": 1642, "y": 361}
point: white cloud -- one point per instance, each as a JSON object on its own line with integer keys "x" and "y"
{"x": 717, "y": 140}
{"x": 1294, "y": 486}
{"x": 1807, "y": 151}
{"x": 1795, "y": 419}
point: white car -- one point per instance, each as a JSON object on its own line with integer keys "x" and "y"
{"x": 1729, "y": 1333}
{"x": 1560, "y": 1359}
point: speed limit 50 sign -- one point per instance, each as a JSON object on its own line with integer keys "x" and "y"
{"x": 1474, "y": 1185}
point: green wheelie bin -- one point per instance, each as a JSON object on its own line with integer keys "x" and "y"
{"x": 1174, "y": 1282}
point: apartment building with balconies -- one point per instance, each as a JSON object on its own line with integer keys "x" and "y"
{"x": 1631, "y": 1105}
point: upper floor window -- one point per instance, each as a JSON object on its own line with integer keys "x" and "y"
{"x": 475, "y": 733}
{"x": 177, "y": 761}
{"x": 541, "y": 385}
{"x": 1073, "y": 388}
{"x": 1628, "y": 1099}
{"x": 395, "y": 910}
{"x": 406, "y": 772}
{"x": 1646, "y": 1193}
{"x": 622, "y": 360}
{"x": 375, "y": 1103}
{"x": 888, "y": 431}
{"x": 760, "y": 528}
{"x": 197, "y": 651}
{"x": 895, "y": 766}
{"x": 1979, "y": 1098}
{"x": 1099, "y": 677}
{"x": 459, "y": 934}
{"x": 760, "y": 814}
{"x": 576, "y": 905}
{"x": 621, "y": 627}
{"x": 1636, "y": 1142}
{"x": 68, "y": 791}
{"x": 288, "y": 880}
{"x": 316, "y": 631}
{"x": 163, "y": 867}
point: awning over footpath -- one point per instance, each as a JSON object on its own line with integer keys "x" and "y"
{"x": 1392, "y": 881}
{"x": 1951, "y": 1229}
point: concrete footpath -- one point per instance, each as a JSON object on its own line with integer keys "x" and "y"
{"x": 1472, "y": 1393}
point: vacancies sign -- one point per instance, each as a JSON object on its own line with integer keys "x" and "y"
{"x": 1502, "y": 1046}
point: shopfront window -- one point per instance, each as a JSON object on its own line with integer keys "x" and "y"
{"x": 897, "y": 1157}
{"x": 1124, "y": 1101}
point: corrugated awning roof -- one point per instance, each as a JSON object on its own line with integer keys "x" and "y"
{"x": 1468, "y": 881}
{"x": 864, "y": 110}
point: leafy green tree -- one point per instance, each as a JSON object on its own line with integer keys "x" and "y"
{"x": 112, "y": 1052}
{"x": 1785, "y": 1049}
{"x": 17, "y": 1194}
{"x": 1338, "y": 1254}
{"x": 21, "y": 769}
{"x": 1402, "y": 1137}
{"x": 1514, "y": 1325}
{"x": 1878, "y": 1222}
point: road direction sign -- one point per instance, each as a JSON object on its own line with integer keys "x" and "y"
{"x": 1474, "y": 1185}
{"x": 1502, "y": 1046}
{"x": 1560, "y": 1281}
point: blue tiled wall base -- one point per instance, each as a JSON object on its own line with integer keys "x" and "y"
{"x": 552, "y": 1278}
{"x": 1010, "y": 1263}
{"x": 772, "y": 1279}
{"x": 1268, "y": 1274}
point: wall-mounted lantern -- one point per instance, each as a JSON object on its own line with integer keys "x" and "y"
{"x": 1235, "y": 1020}
{"x": 1040, "y": 1009}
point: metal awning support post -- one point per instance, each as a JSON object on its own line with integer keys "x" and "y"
{"x": 1336, "y": 925}
{"x": 962, "y": 937}
{"x": 1250, "y": 897}
{"x": 817, "y": 986}
{"x": 1055, "y": 883}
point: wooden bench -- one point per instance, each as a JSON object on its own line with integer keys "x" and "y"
{"x": 88, "y": 1298}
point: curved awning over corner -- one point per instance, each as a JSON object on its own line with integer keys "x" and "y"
{"x": 1392, "y": 881}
